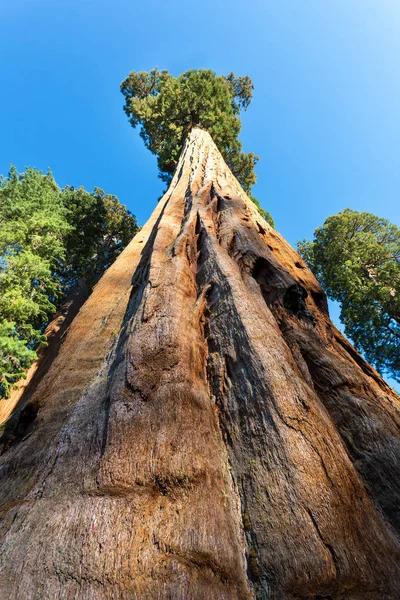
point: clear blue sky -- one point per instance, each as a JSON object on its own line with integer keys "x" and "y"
{"x": 325, "y": 119}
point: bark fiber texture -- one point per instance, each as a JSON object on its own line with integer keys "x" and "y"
{"x": 204, "y": 431}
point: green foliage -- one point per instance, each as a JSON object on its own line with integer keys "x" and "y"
{"x": 100, "y": 229}
{"x": 32, "y": 225}
{"x": 49, "y": 238}
{"x": 264, "y": 213}
{"x": 356, "y": 257}
{"x": 167, "y": 107}
{"x": 15, "y": 356}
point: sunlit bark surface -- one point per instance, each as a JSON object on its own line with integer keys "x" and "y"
{"x": 205, "y": 432}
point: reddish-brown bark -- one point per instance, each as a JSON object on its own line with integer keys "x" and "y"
{"x": 205, "y": 432}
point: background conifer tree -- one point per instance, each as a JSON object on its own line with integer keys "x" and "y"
{"x": 50, "y": 240}
{"x": 356, "y": 257}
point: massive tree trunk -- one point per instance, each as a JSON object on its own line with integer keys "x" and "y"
{"x": 205, "y": 432}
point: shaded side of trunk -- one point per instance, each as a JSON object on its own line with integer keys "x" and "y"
{"x": 205, "y": 432}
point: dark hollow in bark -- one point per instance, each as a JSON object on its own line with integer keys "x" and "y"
{"x": 205, "y": 432}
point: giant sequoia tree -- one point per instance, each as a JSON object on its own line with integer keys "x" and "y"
{"x": 205, "y": 432}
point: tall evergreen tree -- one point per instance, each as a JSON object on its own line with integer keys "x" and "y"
{"x": 356, "y": 257}
{"x": 49, "y": 239}
{"x": 33, "y": 223}
{"x": 100, "y": 229}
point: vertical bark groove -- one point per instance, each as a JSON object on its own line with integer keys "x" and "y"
{"x": 205, "y": 432}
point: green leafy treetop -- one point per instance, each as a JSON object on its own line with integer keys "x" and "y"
{"x": 166, "y": 107}
{"x": 356, "y": 257}
{"x": 50, "y": 239}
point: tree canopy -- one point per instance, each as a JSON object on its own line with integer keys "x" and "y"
{"x": 356, "y": 257}
{"x": 166, "y": 107}
{"x": 49, "y": 239}
{"x": 100, "y": 229}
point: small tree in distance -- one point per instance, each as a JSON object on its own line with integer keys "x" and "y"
{"x": 356, "y": 257}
